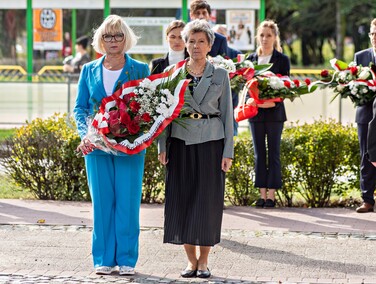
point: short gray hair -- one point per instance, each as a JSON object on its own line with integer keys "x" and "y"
{"x": 198, "y": 26}
{"x": 114, "y": 24}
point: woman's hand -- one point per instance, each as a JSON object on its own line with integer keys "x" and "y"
{"x": 266, "y": 105}
{"x": 226, "y": 164}
{"x": 162, "y": 158}
{"x": 85, "y": 146}
{"x": 251, "y": 102}
{"x": 68, "y": 68}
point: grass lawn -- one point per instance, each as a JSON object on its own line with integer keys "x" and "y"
{"x": 9, "y": 190}
{"x": 6, "y": 133}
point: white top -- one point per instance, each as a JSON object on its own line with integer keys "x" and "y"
{"x": 175, "y": 56}
{"x": 109, "y": 79}
{"x": 264, "y": 59}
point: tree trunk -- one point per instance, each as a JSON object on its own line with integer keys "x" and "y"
{"x": 340, "y": 28}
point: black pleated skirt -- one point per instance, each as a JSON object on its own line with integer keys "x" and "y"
{"x": 195, "y": 186}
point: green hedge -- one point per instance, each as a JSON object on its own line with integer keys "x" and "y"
{"x": 317, "y": 159}
{"x": 41, "y": 157}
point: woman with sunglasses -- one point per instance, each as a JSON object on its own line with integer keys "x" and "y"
{"x": 115, "y": 181}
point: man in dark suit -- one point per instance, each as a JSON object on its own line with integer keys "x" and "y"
{"x": 363, "y": 117}
{"x": 200, "y": 9}
{"x": 371, "y": 142}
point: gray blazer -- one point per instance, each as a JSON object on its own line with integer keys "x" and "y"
{"x": 212, "y": 96}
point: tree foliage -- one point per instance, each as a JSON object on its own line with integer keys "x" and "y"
{"x": 314, "y": 23}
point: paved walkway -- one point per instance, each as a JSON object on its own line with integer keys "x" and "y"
{"x": 49, "y": 242}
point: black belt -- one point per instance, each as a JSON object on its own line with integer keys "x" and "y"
{"x": 196, "y": 115}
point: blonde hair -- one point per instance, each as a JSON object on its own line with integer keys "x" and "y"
{"x": 373, "y": 22}
{"x": 274, "y": 27}
{"x": 111, "y": 25}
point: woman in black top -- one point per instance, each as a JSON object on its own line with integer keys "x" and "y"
{"x": 176, "y": 48}
{"x": 267, "y": 125}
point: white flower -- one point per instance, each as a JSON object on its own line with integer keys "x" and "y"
{"x": 162, "y": 109}
{"x": 365, "y": 73}
{"x": 248, "y": 64}
{"x": 339, "y": 88}
{"x": 276, "y": 83}
{"x": 226, "y": 64}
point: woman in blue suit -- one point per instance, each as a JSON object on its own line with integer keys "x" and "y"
{"x": 267, "y": 125}
{"x": 115, "y": 181}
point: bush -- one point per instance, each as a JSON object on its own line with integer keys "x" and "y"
{"x": 41, "y": 157}
{"x": 289, "y": 182}
{"x": 240, "y": 188}
{"x": 318, "y": 158}
{"x": 154, "y": 175}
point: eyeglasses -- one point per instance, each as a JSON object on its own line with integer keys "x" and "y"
{"x": 371, "y": 34}
{"x": 118, "y": 37}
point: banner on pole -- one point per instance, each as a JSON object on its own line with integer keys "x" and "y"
{"x": 48, "y": 29}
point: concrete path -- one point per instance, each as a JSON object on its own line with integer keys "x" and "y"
{"x": 50, "y": 242}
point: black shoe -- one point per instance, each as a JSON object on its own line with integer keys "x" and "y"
{"x": 269, "y": 203}
{"x": 187, "y": 273}
{"x": 260, "y": 203}
{"x": 203, "y": 273}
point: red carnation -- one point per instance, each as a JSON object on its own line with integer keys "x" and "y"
{"x": 354, "y": 70}
{"x": 287, "y": 84}
{"x": 146, "y": 117}
{"x": 307, "y": 81}
{"x": 134, "y": 106}
{"x": 324, "y": 73}
{"x": 296, "y": 82}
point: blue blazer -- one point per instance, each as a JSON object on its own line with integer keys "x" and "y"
{"x": 364, "y": 112}
{"x": 219, "y": 46}
{"x": 90, "y": 91}
{"x": 281, "y": 65}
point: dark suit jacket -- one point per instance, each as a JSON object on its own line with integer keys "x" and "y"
{"x": 371, "y": 143}
{"x": 232, "y": 52}
{"x": 158, "y": 65}
{"x": 219, "y": 46}
{"x": 281, "y": 65}
{"x": 364, "y": 113}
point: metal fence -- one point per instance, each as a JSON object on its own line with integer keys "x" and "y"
{"x": 24, "y": 97}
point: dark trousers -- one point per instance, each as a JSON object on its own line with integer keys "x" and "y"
{"x": 266, "y": 142}
{"x": 367, "y": 170}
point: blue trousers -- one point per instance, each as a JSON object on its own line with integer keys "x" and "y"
{"x": 115, "y": 184}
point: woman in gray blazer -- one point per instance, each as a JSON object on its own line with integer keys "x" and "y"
{"x": 200, "y": 152}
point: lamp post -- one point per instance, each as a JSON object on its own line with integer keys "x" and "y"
{"x": 184, "y": 10}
